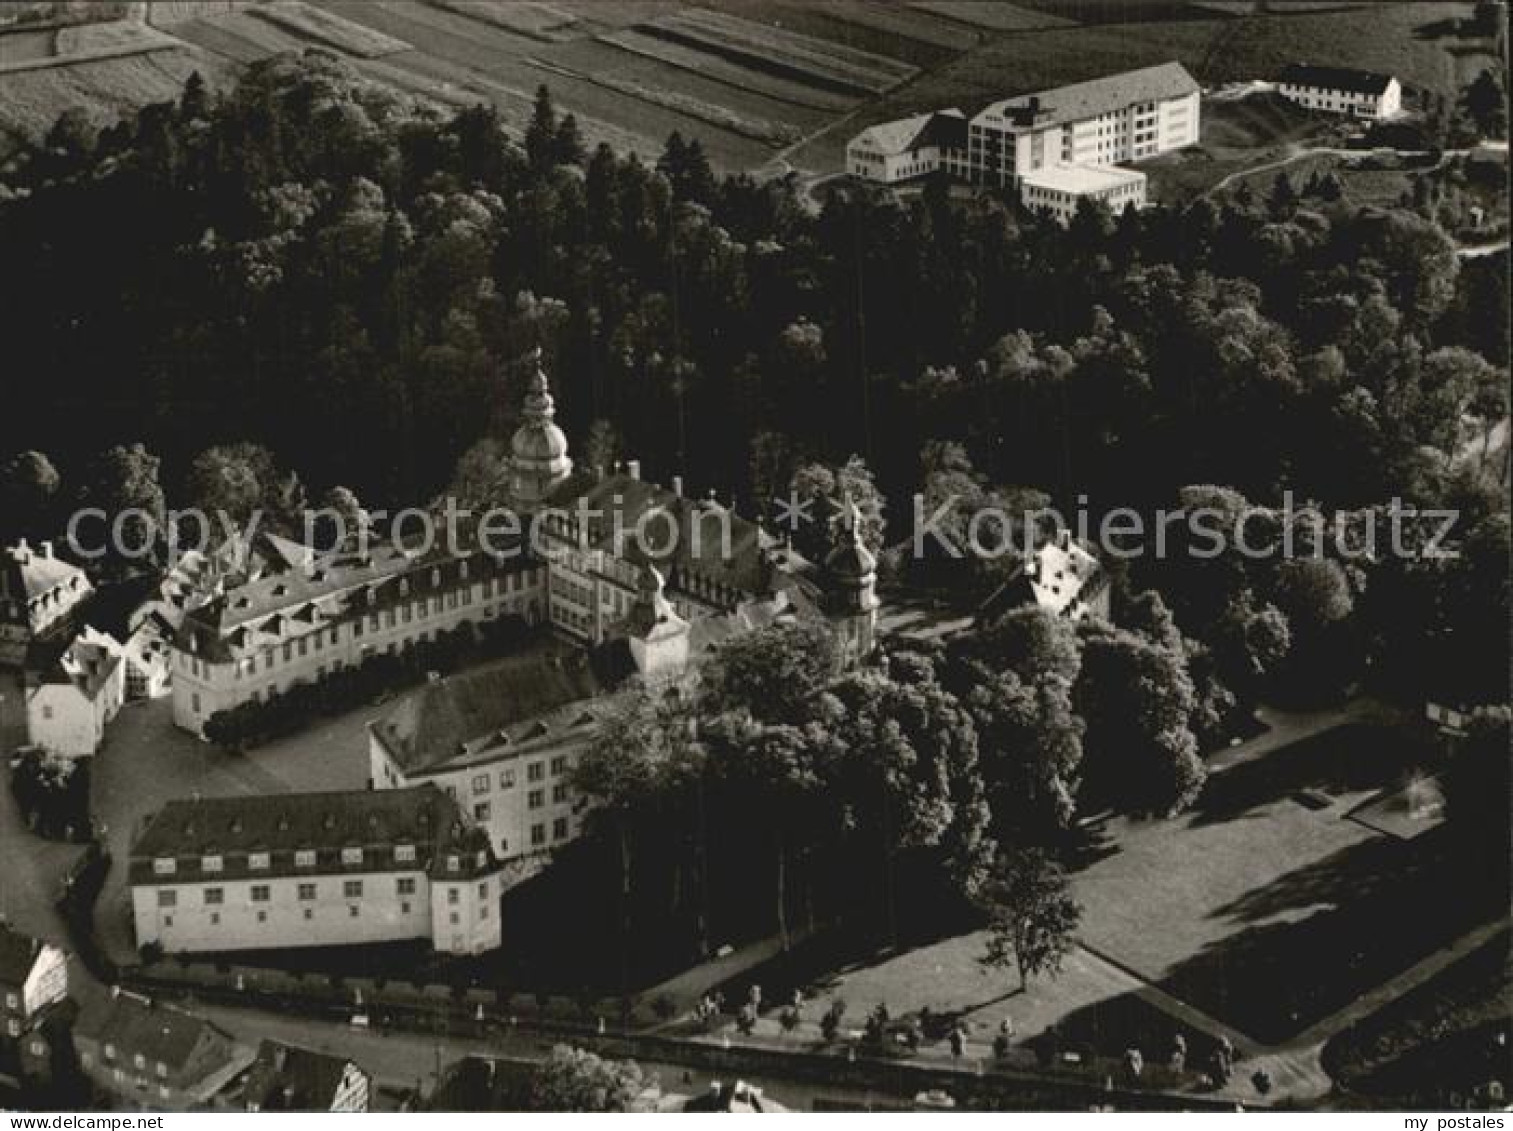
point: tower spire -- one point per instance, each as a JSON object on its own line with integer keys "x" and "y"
{"x": 538, "y": 451}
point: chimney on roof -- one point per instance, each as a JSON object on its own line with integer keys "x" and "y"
{"x": 47, "y": 549}
{"x": 23, "y": 551}
{"x": 677, "y": 486}
{"x": 633, "y": 468}
{"x": 280, "y": 1058}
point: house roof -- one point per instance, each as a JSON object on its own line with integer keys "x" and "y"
{"x": 942, "y": 127}
{"x": 1059, "y": 577}
{"x": 1077, "y": 179}
{"x": 290, "y": 1078}
{"x": 158, "y": 1032}
{"x": 1090, "y": 99}
{"x": 87, "y": 662}
{"x": 18, "y": 953}
{"x": 281, "y": 824}
{"x": 1335, "y": 78}
{"x": 698, "y": 559}
{"x": 27, "y": 572}
{"x": 533, "y": 699}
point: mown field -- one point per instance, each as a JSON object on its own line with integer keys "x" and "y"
{"x": 772, "y": 84}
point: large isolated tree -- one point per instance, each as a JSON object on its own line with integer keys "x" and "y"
{"x": 1031, "y": 915}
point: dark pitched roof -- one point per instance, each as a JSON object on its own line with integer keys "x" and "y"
{"x": 282, "y": 824}
{"x": 1335, "y": 78}
{"x": 290, "y": 1078}
{"x": 494, "y": 711}
{"x": 17, "y": 954}
{"x": 700, "y": 557}
{"x": 1103, "y": 95}
{"x": 26, "y": 572}
{"x": 155, "y": 1031}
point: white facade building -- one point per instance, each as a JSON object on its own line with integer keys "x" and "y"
{"x": 891, "y": 152}
{"x": 303, "y": 623}
{"x": 1342, "y": 90}
{"x": 315, "y": 869}
{"x": 1059, "y": 188}
{"x": 1045, "y": 143}
{"x": 71, "y": 700}
{"x": 1119, "y": 118}
{"x": 39, "y": 592}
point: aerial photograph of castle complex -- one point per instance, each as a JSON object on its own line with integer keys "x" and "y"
{"x": 700, "y": 556}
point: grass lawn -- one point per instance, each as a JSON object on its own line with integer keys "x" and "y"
{"x": 1262, "y": 912}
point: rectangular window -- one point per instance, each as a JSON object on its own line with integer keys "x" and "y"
{"x": 560, "y": 793}
{"x": 536, "y": 798}
{"x": 165, "y": 866}
{"x": 351, "y": 856}
{"x": 304, "y": 858}
{"x": 454, "y": 895}
{"x": 536, "y": 771}
{"x": 507, "y": 779}
{"x": 351, "y": 889}
{"x": 258, "y": 861}
{"x": 404, "y": 853}
{"x": 481, "y": 783}
{"x": 406, "y": 885}
{"x": 481, "y": 811}
{"x": 538, "y": 834}
{"x": 307, "y": 893}
{"x": 260, "y": 893}
{"x": 167, "y": 897}
{"x": 559, "y": 764}
{"x": 559, "y": 829}
{"x": 214, "y": 896}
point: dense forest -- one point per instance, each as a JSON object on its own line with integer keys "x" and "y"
{"x": 328, "y": 286}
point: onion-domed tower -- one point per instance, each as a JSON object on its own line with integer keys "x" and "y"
{"x": 850, "y": 583}
{"x": 538, "y": 451}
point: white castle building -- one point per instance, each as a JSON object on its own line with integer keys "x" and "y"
{"x": 314, "y": 869}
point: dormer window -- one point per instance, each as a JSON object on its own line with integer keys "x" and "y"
{"x": 351, "y": 856}
{"x": 258, "y": 861}
{"x": 304, "y": 858}
{"x": 165, "y": 866}
{"x": 404, "y": 586}
{"x": 462, "y": 569}
{"x": 453, "y": 864}
{"x": 435, "y": 578}
{"x": 404, "y": 853}
{"x": 210, "y": 863}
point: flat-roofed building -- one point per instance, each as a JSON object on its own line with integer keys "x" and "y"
{"x": 1060, "y": 188}
{"x": 288, "y": 870}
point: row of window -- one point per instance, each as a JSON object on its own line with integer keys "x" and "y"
{"x": 303, "y": 858}
{"x": 534, "y": 772}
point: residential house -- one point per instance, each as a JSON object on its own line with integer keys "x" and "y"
{"x": 1342, "y": 90}
{"x": 33, "y": 989}
{"x": 290, "y": 1078}
{"x": 39, "y": 595}
{"x": 72, "y": 698}
{"x": 153, "y": 1055}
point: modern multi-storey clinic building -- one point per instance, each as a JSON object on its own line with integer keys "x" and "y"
{"x": 1045, "y": 143}
{"x": 315, "y": 869}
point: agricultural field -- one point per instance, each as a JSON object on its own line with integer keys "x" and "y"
{"x": 777, "y": 85}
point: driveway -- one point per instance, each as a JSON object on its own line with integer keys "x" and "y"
{"x": 148, "y": 761}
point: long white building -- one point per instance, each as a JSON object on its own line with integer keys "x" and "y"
{"x": 1342, "y": 90}
{"x": 285, "y": 870}
{"x": 1030, "y": 141}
